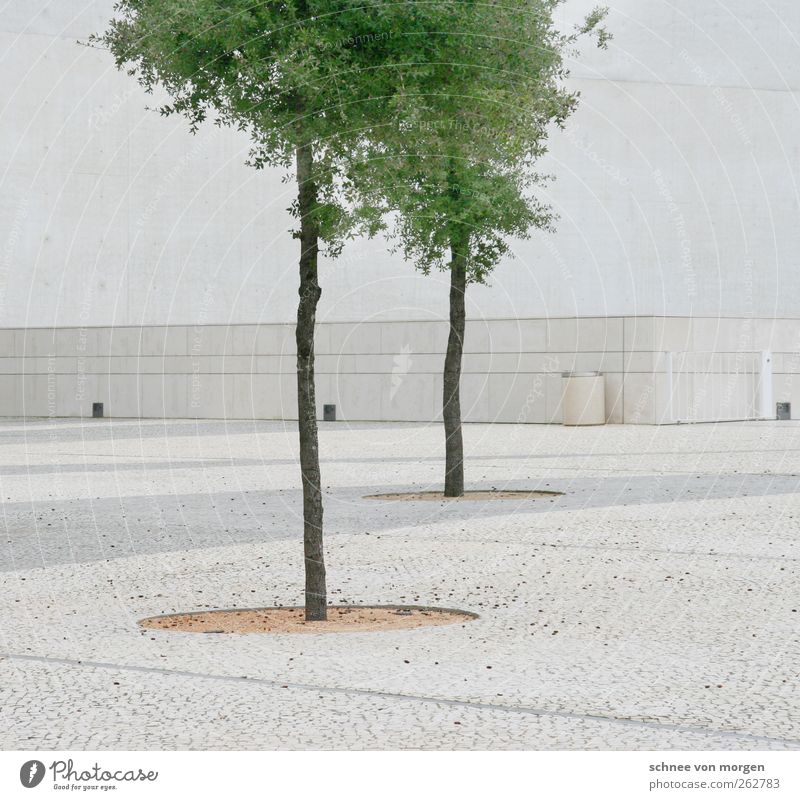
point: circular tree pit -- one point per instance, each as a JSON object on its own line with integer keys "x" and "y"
{"x": 341, "y": 619}
{"x": 478, "y": 494}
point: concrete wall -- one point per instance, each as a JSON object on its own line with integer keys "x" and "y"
{"x": 716, "y": 363}
{"x": 677, "y": 185}
{"x": 385, "y": 370}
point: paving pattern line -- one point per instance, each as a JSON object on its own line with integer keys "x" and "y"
{"x": 399, "y": 696}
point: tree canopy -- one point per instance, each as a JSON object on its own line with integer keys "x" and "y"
{"x": 478, "y": 97}
{"x": 287, "y": 72}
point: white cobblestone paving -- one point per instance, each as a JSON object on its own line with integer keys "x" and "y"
{"x": 654, "y": 605}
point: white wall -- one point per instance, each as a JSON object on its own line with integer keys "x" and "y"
{"x": 392, "y": 370}
{"x": 370, "y": 371}
{"x": 676, "y": 184}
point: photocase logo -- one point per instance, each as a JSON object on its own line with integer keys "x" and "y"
{"x": 31, "y": 773}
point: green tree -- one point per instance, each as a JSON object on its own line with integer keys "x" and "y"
{"x": 299, "y": 77}
{"x": 481, "y": 92}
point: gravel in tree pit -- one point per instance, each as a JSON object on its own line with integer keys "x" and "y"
{"x": 480, "y": 494}
{"x": 341, "y": 619}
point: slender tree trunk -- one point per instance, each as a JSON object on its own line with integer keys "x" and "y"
{"x": 316, "y": 593}
{"x": 451, "y": 408}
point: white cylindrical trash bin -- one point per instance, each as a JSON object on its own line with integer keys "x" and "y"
{"x": 584, "y": 398}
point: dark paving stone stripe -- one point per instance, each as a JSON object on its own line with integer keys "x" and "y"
{"x": 51, "y": 532}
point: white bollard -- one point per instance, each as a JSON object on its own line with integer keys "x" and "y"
{"x": 765, "y": 388}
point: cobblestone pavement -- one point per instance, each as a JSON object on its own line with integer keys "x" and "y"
{"x": 655, "y": 605}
